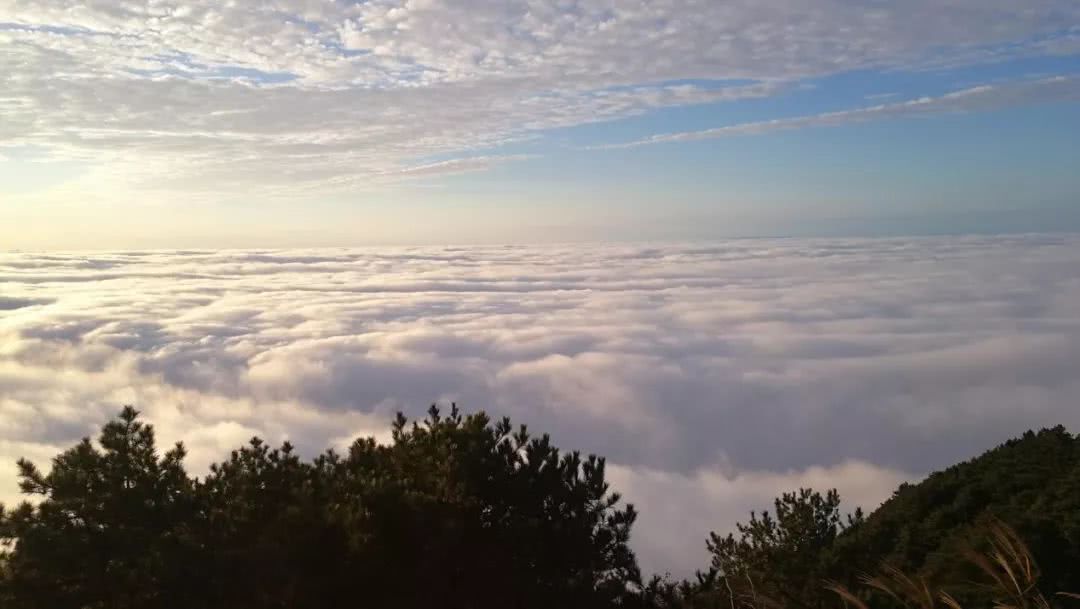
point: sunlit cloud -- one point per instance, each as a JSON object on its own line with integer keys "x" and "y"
{"x": 205, "y": 99}
{"x": 711, "y": 375}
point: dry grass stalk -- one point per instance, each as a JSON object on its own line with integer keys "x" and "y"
{"x": 1007, "y": 562}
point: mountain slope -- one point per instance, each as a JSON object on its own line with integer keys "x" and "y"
{"x": 1032, "y": 483}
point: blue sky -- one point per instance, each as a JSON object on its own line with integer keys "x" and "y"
{"x": 465, "y": 120}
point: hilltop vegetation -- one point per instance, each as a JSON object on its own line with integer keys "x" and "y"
{"x": 465, "y": 512}
{"x": 1032, "y": 483}
{"x": 933, "y": 532}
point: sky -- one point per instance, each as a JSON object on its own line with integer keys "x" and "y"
{"x": 713, "y": 376}
{"x": 737, "y": 247}
{"x": 313, "y": 123}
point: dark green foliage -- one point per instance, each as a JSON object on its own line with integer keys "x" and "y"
{"x": 465, "y": 513}
{"x": 457, "y": 512}
{"x": 1032, "y": 483}
{"x": 781, "y": 558}
{"x": 705, "y": 591}
{"x": 930, "y": 530}
{"x": 114, "y": 529}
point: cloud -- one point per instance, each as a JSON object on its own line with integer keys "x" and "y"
{"x": 669, "y": 535}
{"x": 9, "y": 304}
{"x": 975, "y": 99}
{"x": 286, "y": 98}
{"x": 455, "y": 166}
{"x": 712, "y": 376}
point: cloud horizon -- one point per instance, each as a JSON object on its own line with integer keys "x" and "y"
{"x": 711, "y": 375}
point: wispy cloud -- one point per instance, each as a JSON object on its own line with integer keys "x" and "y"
{"x": 456, "y": 166}
{"x": 975, "y": 99}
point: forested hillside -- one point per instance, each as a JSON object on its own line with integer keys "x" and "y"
{"x": 936, "y": 533}
{"x": 1032, "y": 483}
{"x": 468, "y": 513}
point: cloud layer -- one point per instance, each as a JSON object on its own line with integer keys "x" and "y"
{"x": 300, "y": 96}
{"x": 713, "y": 376}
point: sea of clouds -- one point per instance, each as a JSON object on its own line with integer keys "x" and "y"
{"x": 713, "y": 376}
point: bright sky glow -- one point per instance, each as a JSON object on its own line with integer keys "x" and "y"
{"x": 238, "y": 123}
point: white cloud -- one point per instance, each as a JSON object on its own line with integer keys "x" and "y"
{"x": 713, "y": 376}
{"x": 277, "y": 97}
{"x": 683, "y": 508}
{"x": 452, "y": 166}
{"x": 981, "y": 98}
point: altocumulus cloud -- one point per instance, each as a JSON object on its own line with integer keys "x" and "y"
{"x": 713, "y": 376}
{"x": 285, "y": 97}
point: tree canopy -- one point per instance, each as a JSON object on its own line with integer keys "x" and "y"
{"x": 463, "y": 512}
{"x": 457, "y": 512}
{"x": 933, "y": 535}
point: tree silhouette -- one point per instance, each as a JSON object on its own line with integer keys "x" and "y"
{"x": 455, "y": 512}
{"x": 781, "y": 559}
{"x": 460, "y": 512}
{"x": 115, "y": 526}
